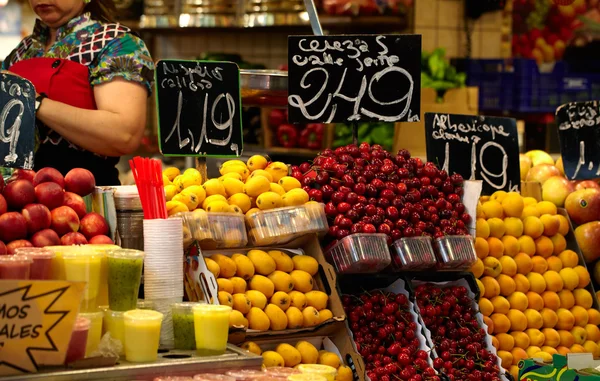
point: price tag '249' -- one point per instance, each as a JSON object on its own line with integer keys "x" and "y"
{"x": 579, "y": 134}
{"x": 477, "y": 147}
{"x": 354, "y": 78}
{"x": 199, "y": 108}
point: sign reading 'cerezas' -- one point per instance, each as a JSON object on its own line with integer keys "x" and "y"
{"x": 199, "y": 108}
{"x": 354, "y": 78}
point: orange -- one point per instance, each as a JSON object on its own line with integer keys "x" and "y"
{"x": 569, "y": 258}
{"x": 514, "y": 369}
{"x": 583, "y": 298}
{"x": 522, "y": 340}
{"x": 537, "y": 282}
{"x": 549, "y": 318}
{"x": 592, "y": 347}
{"x": 593, "y": 332}
{"x": 564, "y": 225}
{"x": 482, "y": 229}
{"x": 513, "y": 205}
{"x": 482, "y": 249}
{"x": 501, "y": 323}
{"x": 518, "y": 355}
{"x": 495, "y": 342}
{"x": 552, "y": 338}
{"x": 549, "y": 350}
{"x": 527, "y": 245}
{"x": 492, "y": 288}
{"x": 584, "y": 276}
{"x": 497, "y": 228}
{"x": 486, "y": 307}
{"x": 566, "y": 338}
{"x": 581, "y": 316}
{"x": 506, "y": 359}
{"x": 559, "y": 242}
{"x": 521, "y": 282}
{"x": 501, "y": 305}
{"x": 477, "y": 268}
{"x": 540, "y": 265}
{"x": 498, "y": 196}
{"x": 576, "y": 348}
{"x": 489, "y": 323}
{"x": 563, "y": 350}
{"x": 507, "y": 284}
{"x": 532, "y": 350}
{"x": 569, "y": 277}
{"x": 554, "y": 263}
{"x": 492, "y": 209}
{"x": 533, "y": 227}
{"x": 530, "y": 211}
{"x": 511, "y": 245}
{"x": 546, "y": 207}
{"x": 514, "y": 226}
{"x": 535, "y": 301}
{"x": 529, "y": 201}
{"x": 567, "y": 300}
{"x": 544, "y": 247}
{"x": 553, "y": 281}
{"x": 509, "y": 266}
{"x": 566, "y": 320}
{"x": 551, "y": 224}
{"x": 518, "y": 320}
{"x": 534, "y": 319}
{"x": 536, "y": 337}
{"x": 496, "y": 247}
{"x": 506, "y": 341}
{"x": 551, "y": 300}
{"x": 518, "y": 301}
{"x": 594, "y": 316}
{"x": 524, "y": 265}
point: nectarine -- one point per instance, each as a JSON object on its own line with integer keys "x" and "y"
{"x": 3, "y": 204}
{"x": 80, "y": 181}
{"x": 49, "y": 175}
{"x": 93, "y": 224}
{"x": 12, "y": 227}
{"x": 37, "y": 217}
{"x": 64, "y": 220}
{"x": 22, "y": 174}
{"x": 101, "y": 240}
{"x": 583, "y": 205}
{"x": 50, "y": 194}
{"x": 46, "y": 237}
{"x": 73, "y": 238}
{"x": 14, "y": 245}
{"x": 75, "y": 202}
{"x": 19, "y": 193}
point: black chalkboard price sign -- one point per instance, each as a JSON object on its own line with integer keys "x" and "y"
{"x": 199, "y": 108}
{"x": 351, "y": 78}
{"x": 17, "y": 122}
{"x": 579, "y": 135}
{"x": 477, "y": 147}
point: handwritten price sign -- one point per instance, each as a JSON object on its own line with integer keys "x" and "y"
{"x": 17, "y": 122}
{"x": 199, "y": 108}
{"x": 477, "y": 147}
{"x": 354, "y": 78}
{"x": 579, "y": 134}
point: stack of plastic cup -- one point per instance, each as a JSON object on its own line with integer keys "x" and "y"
{"x": 41, "y": 267}
{"x": 163, "y": 270}
{"x": 15, "y": 266}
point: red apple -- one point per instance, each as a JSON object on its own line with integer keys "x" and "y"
{"x": 542, "y": 172}
{"x": 49, "y": 175}
{"x": 1, "y": 184}
{"x": 93, "y": 224}
{"x": 80, "y": 181}
{"x": 46, "y": 237}
{"x": 50, "y": 194}
{"x": 586, "y": 184}
{"x": 3, "y": 204}
{"x": 73, "y": 238}
{"x": 588, "y": 238}
{"x": 556, "y": 189}
{"x": 14, "y": 245}
{"x": 3, "y": 249}
{"x": 64, "y": 220}
{"x": 584, "y": 206}
{"x": 101, "y": 240}
{"x": 19, "y": 193}
{"x": 38, "y": 217}
{"x": 75, "y": 202}
{"x": 12, "y": 226}
{"x": 22, "y": 174}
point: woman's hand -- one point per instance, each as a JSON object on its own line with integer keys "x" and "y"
{"x": 115, "y": 129}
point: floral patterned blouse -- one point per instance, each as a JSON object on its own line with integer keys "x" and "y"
{"x": 122, "y": 54}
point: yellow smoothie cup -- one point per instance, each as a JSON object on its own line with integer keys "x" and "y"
{"x": 95, "y": 331}
{"x": 84, "y": 265}
{"x": 103, "y": 249}
{"x": 114, "y": 323}
{"x": 57, "y": 271}
{"x": 211, "y": 326}
{"x": 142, "y": 335}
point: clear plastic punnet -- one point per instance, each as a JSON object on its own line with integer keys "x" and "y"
{"x": 413, "y": 253}
{"x": 213, "y": 230}
{"x": 360, "y": 253}
{"x": 282, "y": 225}
{"x": 456, "y": 252}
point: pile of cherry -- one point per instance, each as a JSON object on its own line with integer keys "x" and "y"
{"x": 386, "y": 336}
{"x": 368, "y": 190}
{"x": 458, "y": 339}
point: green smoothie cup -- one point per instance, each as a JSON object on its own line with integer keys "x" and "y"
{"x": 183, "y": 325}
{"x": 124, "y": 276}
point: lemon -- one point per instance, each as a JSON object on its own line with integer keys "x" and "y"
{"x": 233, "y": 186}
{"x": 170, "y": 192}
{"x": 171, "y": 173}
{"x": 255, "y": 186}
{"x": 269, "y": 200}
{"x": 214, "y": 187}
{"x": 257, "y": 162}
{"x": 262, "y": 173}
{"x": 288, "y": 183}
{"x": 295, "y": 197}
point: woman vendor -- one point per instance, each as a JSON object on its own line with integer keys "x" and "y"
{"x": 92, "y": 77}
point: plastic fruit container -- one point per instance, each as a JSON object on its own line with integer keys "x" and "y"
{"x": 212, "y": 377}
{"x": 245, "y": 375}
{"x": 360, "y": 253}
{"x": 213, "y": 230}
{"x": 413, "y": 253}
{"x": 282, "y": 225}
{"x": 455, "y": 252}
{"x": 326, "y": 371}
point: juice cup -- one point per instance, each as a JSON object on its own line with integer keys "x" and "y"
{"x": 15, "y": 266}
{"x": 57, "y": 271}
{"x": 103, "y": 250}
{"x": 142, "y": 335}
{"x": 76, "y": 349}
{"x": 326, "y": 371}
{"x": 41, "y": 267}
{"x": 211, "y": 325}
{"x": 95, "y": 331}
{"x": 183, "y": 325}
{"x": 84, "y": 265}
{"x": 114, "y": 323}
{"x": 124, "y": 276}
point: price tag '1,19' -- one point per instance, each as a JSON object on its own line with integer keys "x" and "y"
{"x": 199, "y": 108}
{"x": 17, "y": 122}
{"x": 351, "y": 78}
{"x": 476, "y": 147}
{"x": 579, "y": 134}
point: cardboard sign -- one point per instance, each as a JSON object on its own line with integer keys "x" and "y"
{"x": 199, "y": 108}
{"x": 579, "y": 135}
{"x": 36, "y": 321}
{"x": 337, "y": 79}
{"x": 477, "y": 147}
{"x": 17, "y": 122}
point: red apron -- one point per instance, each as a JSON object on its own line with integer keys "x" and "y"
{"x": 67, "y": 82}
